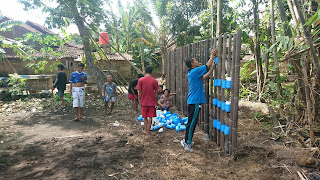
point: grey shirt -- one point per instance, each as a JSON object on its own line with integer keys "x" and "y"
{"x": 109, "y": 89}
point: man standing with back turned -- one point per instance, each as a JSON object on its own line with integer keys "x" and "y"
{"x": 196, "y": 95}
{"x": 147, "y": 90}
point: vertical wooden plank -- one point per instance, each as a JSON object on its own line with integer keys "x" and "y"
{"x": 234, "y": 48}
{"x": 210, "y": 95}
{"x": 207, "y": 112}
{"x": 182, "y": 79}
{"x": 215, "y": 109}
{"x": 223, "y": 77}
{"x": 177, "y": 96}
{"x": 228, "y": 90}
{"x": 168, "y": 60}
{"x": 219, "y": 88}
{"x": 236, "y": 92}
{"x": 174, "y": 77}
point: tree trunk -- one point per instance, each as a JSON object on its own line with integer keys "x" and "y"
{"x": 141, "y": 56}
{"x": 257, "y": 56}
{"x": 266, "y": 61}
{"x": 308, "y": 37}
{"x": 284, "y": 19}
{"x": 275, "y": 53}
{"x": 95, "y": 72}
{"x": 308, "y": 99}
{"x": 219, "y": 18}
{"x": 211, "y": 2}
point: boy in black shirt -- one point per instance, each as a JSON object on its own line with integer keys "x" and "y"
{"x": 133, "y": 93}
{"x": 60, "y": 83}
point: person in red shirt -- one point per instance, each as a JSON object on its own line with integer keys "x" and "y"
{"x": 147, "y": 92}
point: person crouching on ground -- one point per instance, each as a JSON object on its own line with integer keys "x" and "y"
{"x": 133, "y": 93}
{"x": 77, "y": 91}
{"x": 60, "y": 83}
{"x": 165, "y": 101}
{"x": 196, "y": 95}
{"x": 109, "y": 93}
{"x": 147, "y": 91}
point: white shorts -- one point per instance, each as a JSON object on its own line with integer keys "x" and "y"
{"x": 109, "y": 99}
{"x": 78, "y": 96}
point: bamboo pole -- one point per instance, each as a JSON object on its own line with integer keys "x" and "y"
{"x": 208, "y": 99}
{"x": 211, "y": 95}
{"x": 215, "y": 109}
{"x": 101, "y": 51}
{"x": 234, "y": 48}
{"x": 227, "y": 123}
{"x": 223, "y": 77}
{"x": 236, "y": 91}
{"x": 182, "y": 79}
{"x": 308, "y": 100}
{"x": 219, "y": 88}
{"x": 298, "y": 53}
{"x": 308, "y": 37}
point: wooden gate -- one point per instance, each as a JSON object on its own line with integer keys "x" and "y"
{"x": 219, "y": 123}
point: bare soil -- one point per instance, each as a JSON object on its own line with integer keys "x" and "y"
{"x": 45, "y": 143}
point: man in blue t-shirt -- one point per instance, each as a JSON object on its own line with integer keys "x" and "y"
{"x": 196, "y": 95}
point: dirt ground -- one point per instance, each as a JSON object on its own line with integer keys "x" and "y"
{"x": 43, "y": 142}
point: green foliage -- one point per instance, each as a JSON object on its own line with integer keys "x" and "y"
{"x": 17, "y": 84}
{"x": 6, "y": 42}
{"x": 245, "y": 74}
{"x": 75, "y": 38}
{"x": 264, "y": 119}
{"x": 67, "y": 97}
{"x": 43, "y": 49}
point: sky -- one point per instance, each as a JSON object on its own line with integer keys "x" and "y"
{"x": 14, "y": 10}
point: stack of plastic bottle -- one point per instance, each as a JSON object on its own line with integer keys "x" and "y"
{"x": 168, "y": 120}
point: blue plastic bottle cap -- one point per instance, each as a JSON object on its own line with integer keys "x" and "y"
{"x": 215, "y": 121}
{"x": 218, "y": 125}
{"x": 219, "y": 104}
{"x": 182, "y": 128}
{"x": 227, "y": 108}
{"x": 222, "y": 128}
{"x": 216, "y": 60}
{"x": 223, "y": 106}
{"x": 226, "y": 130}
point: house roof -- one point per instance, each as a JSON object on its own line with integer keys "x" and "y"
{"x": 70, "y": 51}
{"x": 116, "y": 56}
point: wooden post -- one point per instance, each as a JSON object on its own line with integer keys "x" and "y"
{"x": 215, "y": 136}
{"x": 219, "y": 88}
{"x": 228, "y": 91}
{"x": 223, "y": 77}
{"x": 168, "y": 69}
{"x": 207, "y": 110}
{"x": 182, "y": 79}
{"x": 236, "y": 92}
{"x": 234, "y": 48}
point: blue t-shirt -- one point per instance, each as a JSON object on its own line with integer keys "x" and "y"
{"x": 76, "y": 77}
{"x": 196, "y": 92}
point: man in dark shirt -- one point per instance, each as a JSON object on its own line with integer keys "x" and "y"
{"x": 133, "y": 93}
{"x": 60, "y": 83}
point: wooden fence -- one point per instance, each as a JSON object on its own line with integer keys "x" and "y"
{"x": 214, "y": 119}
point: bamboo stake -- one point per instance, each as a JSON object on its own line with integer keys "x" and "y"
{"x": 215, "y": 95}
{"x": 208, "y": 98}
{"x": 219, "y": 88}
{"x": 234, "y": 47}
{"x": 228, "y": 92}
{"x": 236, "y": 91}
{"x": 223, "y": 77}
